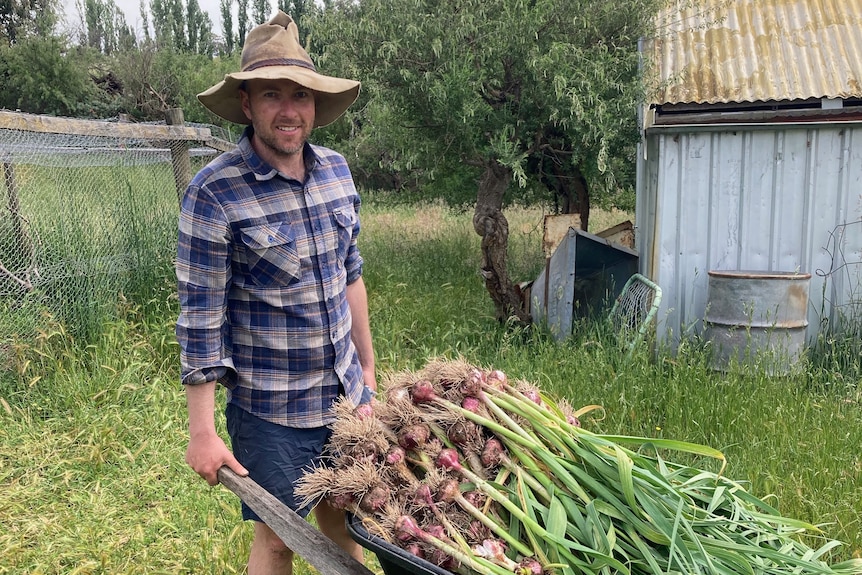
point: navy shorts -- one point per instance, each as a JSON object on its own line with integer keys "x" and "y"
{"x": 275, "y": 456}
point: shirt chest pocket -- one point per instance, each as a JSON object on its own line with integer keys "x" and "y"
{"x": 271, "y": 255}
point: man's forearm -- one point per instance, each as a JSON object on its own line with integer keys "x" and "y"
{"x": 357, "y": 299}
{"x": 200, "y": 400}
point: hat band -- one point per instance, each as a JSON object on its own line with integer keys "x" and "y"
{"x": 280, "y": 62}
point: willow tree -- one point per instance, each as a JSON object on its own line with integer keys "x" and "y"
{"x": 526, "y": 92}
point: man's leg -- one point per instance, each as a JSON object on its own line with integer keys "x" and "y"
{"x": 275, "y": 457}
{"x": 269, "y": 555}
{"x": 332, "y": 524}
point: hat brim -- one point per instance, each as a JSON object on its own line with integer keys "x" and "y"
{"x": 332, "y": 96}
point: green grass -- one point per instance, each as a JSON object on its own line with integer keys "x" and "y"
{"x": 90, "y": 233}
{"x": 93, "y": 435}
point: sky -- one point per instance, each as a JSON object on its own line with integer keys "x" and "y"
{"x": 132, "y": 11}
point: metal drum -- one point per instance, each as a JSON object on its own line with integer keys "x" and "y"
{"x": 757, "y": 318}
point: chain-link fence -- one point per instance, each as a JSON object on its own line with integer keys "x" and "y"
{"x": 88, "y": 212}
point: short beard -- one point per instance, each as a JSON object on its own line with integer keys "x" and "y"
{"x": 276, "y": 148}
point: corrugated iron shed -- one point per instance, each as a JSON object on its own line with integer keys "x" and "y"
{"x": 739, "y": 51}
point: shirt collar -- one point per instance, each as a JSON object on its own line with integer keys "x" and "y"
{"x": 262, "y": 170}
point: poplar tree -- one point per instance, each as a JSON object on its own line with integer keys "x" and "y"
{"x": 22, "y": 18}
{"x": 226, "y": 7}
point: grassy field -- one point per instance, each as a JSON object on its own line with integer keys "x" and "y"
{"x": 92, "y": 437}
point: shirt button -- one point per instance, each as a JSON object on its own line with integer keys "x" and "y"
{"x": 270, "y": 239}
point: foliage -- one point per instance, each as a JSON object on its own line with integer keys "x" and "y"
{"x": 168, "y": 24}
{"x": 547, "y": 90}
{"x": 242, "y": 22}
{"x": 154, "y": 80}
{"x": 227, "y": 26}
{"x": 92, "y": 437}
{"x": 181, "y": 28}
{"x": 105, "y": 26}
{"x": 43, "y": 75}
{"x": 199, "y": 30}
{"x": 302, "y": 12}
{"x": 197, "y": 75}
{"x": 110, "y": 72}
{"x": 259, "y": 11}
{"x": 20, "y": 19}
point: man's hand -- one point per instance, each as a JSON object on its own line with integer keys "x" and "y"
{"x": 207, "y": 453}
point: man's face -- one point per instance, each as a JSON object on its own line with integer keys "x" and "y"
{"x": 282, "y": 113}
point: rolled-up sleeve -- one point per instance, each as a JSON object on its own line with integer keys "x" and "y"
{"x": 353, "y": 262}
{"x": 203, "y": 277}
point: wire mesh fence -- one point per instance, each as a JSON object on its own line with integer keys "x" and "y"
{"x": 87, "y": 214}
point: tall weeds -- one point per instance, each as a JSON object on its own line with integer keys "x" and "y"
{"x": 93, "y": 430}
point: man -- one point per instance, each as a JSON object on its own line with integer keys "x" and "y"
{"x": 273, "y": 305}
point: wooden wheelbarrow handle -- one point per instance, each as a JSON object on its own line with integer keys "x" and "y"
{"x": 299, "y": 536}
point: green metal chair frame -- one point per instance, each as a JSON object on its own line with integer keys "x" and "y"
{"x": 634, "y": 310}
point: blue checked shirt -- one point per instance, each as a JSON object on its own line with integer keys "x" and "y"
{"x": 262, "y": 266}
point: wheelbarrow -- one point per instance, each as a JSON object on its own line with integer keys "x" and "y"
{"x": 317, "y": 549}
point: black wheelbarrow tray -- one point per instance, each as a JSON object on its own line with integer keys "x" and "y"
{"x": 393, "y": 559}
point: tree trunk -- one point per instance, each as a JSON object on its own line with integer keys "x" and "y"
{"x": 583, "y": 192}
{"x": 575, "y": 194}
{"x": 490, "y": 223}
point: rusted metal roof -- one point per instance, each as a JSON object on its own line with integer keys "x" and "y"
{"x": 724, "y": 51}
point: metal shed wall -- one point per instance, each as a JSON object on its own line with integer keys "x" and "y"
{"x": 769, "y": 198}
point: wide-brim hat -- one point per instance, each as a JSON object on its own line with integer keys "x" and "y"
{"x": 272, "y": 52}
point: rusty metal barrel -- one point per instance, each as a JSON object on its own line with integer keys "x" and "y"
{"x": 757, "y": 318}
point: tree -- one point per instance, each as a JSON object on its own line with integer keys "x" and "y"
{"x": 177, "y": 22}
{"x": 21, "y": 19}
{"x": 44, "y": 75}
{"x": 105, "y": 28}
{"x": 169, "y": 25}
{"x": 199, "y": 26}
{"x": 145, "y": 19}
{"x": 155, "y": 80}
{"x": 526, "y": 93}
{"x": 242, "y": 23}
{"x": 182, "y": 28}
{"x": 302, "y": 12}
{"x": 260, "y": 11}
{"x": 227, "y": 25}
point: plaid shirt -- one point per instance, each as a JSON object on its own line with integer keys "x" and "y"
{"x": 262, "y": 266}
